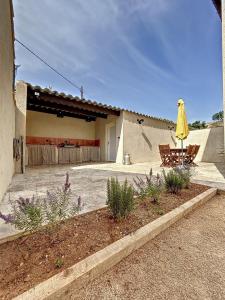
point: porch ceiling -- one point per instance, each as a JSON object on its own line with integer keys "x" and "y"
{"x": 47, "y": 101}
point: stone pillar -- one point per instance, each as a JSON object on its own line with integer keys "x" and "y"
{"x": 20, "y": 124}
{"x": 223, "y": 57}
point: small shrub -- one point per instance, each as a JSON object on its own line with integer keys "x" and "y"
{"x": 185, "y": 174}
{"x": 120, "y": 198}
{"x": 140, "y": 187}
{"x": 173, "y": 181}
{"x": 151, "y": 187}
{"x": 31, "y": 213}
{"x": 59, "y": 204}
{"x": 59, "y": 263}
{"x": 159, "y": 210}
{"x": 27, "y": 214}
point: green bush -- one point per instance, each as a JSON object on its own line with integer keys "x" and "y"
{"x": 120, "y": 198}
{"x": 173, "y": 181}
{"x": 154, "y": 191}
{"x": 185, "y": 174}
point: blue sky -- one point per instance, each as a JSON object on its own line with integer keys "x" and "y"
{"x": 138, "y": 54}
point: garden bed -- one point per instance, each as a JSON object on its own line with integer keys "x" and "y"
{"x": 31, "y": 259}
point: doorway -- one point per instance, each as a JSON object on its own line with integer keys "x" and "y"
{"x": 111, "y": 142}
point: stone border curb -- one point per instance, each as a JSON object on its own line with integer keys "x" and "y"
{"x": 91, "y": 267}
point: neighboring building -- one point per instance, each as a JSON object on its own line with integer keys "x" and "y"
{"x": 54, "y": 118}
{"x": 7, "y": 103}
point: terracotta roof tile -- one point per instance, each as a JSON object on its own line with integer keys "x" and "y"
{"x": 37, "y": 88}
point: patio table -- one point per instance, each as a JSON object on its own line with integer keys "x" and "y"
{"x": 177, "y": 155}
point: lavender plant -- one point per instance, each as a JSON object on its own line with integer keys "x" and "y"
{"x": 151, "y": 186}
{"x": 59, "y": 205}
{"x": 185, "y": 174}
{"x": 173, "y": 181}
{"x": 27, "y": 214}
{"x": 30, "y": 214}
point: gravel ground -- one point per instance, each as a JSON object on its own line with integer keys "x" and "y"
{"x": 187, "y": 261}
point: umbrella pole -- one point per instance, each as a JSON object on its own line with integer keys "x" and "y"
{"x": 182, "y": 152}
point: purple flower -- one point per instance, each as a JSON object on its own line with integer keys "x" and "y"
{"x": 67, "y": 183}
{"x": 7, "y": 218}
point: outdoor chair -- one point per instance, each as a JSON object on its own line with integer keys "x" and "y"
{"x": 164, "y": 151}
{"x": 192, "y": 151}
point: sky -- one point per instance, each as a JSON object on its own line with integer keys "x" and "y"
{"x": 142, "y": 55}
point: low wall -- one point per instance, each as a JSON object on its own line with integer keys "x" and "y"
{"x": 211, "y": 141}
{"x": 142, "y": 141}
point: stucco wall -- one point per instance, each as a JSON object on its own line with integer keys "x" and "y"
{"x": 20, "y": 125}
{"x": 141, "y": 141}
{"x": 48, "y": 125}
{"x": 211, "y": 144}
{"x": 7, "y": 105}
{"x": 223, "y": 57}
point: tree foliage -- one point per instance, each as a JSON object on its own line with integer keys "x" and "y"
{"x": 197, "y": 125}
{"x": 218, "y": 116}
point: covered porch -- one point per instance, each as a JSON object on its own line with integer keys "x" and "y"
{"x": 62, "y": 129}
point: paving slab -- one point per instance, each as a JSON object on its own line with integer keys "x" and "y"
{"x": 89, "y": 183}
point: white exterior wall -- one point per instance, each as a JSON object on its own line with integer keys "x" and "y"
{"x": 210, "y": 141}
{"x": 20, "y": 130}
{"x": 223, "y": 57}
{"x": 7, "y": 104}
{"x": 142, "y": 141}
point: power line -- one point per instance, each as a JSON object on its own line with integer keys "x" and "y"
{"x": 53, "y": 69}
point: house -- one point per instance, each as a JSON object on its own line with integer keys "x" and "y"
{"x": 87, "y": 130}
{"x": 7, "y": 102}
{"x": 35, "y": 121}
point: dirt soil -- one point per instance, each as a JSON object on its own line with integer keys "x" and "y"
{"x": 31, "y": 259}
{"x": 186, "y": 261}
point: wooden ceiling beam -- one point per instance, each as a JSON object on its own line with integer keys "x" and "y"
{"x": 59, "y": 112}
{"x": 85, "y": 113}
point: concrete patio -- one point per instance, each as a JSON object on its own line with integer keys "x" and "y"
{"x": 89, "y": 182}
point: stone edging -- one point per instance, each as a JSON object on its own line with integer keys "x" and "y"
{"x": 91, "y": 267}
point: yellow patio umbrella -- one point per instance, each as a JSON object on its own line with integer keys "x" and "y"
{"x": 182, "y": 130}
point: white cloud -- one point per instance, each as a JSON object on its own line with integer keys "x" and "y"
{"x": 73, "y": 36}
